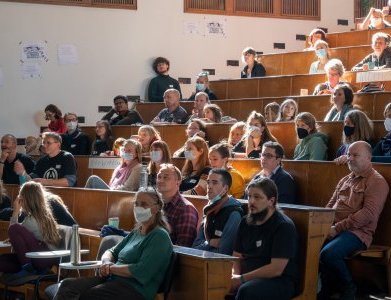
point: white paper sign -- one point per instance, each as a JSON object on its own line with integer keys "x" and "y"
{"x": 108, "y": 163}
{"x": 371, "y": 76}
{"x": 31, "y": 70}
{"x": 67, "y": 54}
{"x": 33, "y": 52}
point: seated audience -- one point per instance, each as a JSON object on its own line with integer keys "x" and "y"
{"x": 374, "y": 20}
{"x": 341, "y": 100}
{"x": 315, "y": 35}
{"x": 180, "y": 213}
{"x": 202, "y": 85}
{"x": 267, "y": 247}
{"x": 219, "y": 155}
{"x": 146, "y": 135}
{"x": 5, "y": 204}
{"x": 104, "y": 139}
{"x": 196, "y": 127}
{"x": 196, "y": 168}
{"x": 256, "y": 134}
{"x": 32, "y": 145}
{"x": 174, "y": 112}
{"x": 357, "y": 127}
{"x": 271, "y": 163}
{"x": 162, "y": 82}
{"x": 381, "y": 55}
{"x": 252, "y": 68}
{"x": 56, "y": 168}
{"x": 322, "y": 53}
{"x": 214, "y": 114}
{"x": 334, "y": 71}
{"x": 358, "y": 201}
{"x": 288, "y": 111}
{"x": 160, "y": 154}
{"x": 8, "y": 158}
{"x": 38, "y": 232}
{"x": 117, "y": 145}
{"x": 125, "y": 116}
{"x": 201, "y": 99}
{"x": 222, "y": 215}
{"x": 383, "y": 147}
{"x": 135, "y": 268}
{"x": 56, "y": 121}
{"x": 127, "y": 175}
{"x": 74, "y": 141}
{"x": 271, "y": 111}
{"x": 313, "y": 144}
{"x": 236, "y": 133}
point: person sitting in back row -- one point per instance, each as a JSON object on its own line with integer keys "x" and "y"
{"x": 174, "y": 112}
{"x": 314, "y": 36}
{"x": 125, "y": 116}
{"x": 374, "y": 20}
{"x": 162, "y": 81}
{"x": 334, "y": 71}
{"x": 202, "y": 85}
{"x": 75, "y": 141}
{"x": 252, "y": 68}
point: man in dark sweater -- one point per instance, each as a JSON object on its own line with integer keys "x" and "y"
{"x": 162, "y": 81}
{"x": 125, "y": 116}
{"x": 75, "y": 141}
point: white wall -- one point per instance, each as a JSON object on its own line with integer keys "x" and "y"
{"x": 116, "y": 48}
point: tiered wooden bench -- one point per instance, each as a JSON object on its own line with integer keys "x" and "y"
{"x": 352, "y": 38}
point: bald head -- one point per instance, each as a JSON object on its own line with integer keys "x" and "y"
{"x": 359, "y": 157}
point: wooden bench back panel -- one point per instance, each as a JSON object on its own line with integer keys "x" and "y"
{"x": 352, "y": 38}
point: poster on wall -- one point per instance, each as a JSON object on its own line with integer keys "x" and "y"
{"x": 33, "y": 52}
{"x": 191, "y": 28}
{"x": 31, "y": 70}
{"x": 216, "y": 28}
{"x": 67, "y": 54}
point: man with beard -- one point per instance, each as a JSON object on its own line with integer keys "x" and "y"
{"x": 358, "y": 201}
{"x": 125, "y": 116}
{"x": 222, "y": 215}
{"x": 8, "y": 158}
{"x": 267, "y": 245}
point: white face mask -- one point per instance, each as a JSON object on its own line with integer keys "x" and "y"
{"x": 71, "y": 125}
{"x": 189, "y": 154}
{"x": 156, "y": 156}
{"x": 142, "y": 214}
{"x": 125, "y": 155}
{"x": 320, "y": 53}
{"x": 387, "y": 124}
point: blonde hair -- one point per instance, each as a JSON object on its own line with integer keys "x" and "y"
{"x": 363, "y": 127}
{"x": 238, "y": 125}
{"x": 152, "y": 132}
{"x": 266, "y": 134}
{"x": 34, "y": 204}
{"x": 203, "y": 160}
{"x": 286, "y": 102}
{"x": 137, "y": 148}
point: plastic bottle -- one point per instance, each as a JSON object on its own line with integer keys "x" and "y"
{"x": 143, "y": 178}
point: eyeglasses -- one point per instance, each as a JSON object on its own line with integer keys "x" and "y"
{"x": 48, "y": 143}
{"x": 267, "y": 155}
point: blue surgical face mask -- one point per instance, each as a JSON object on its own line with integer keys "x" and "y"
{"x": 301, "y": 132}
{"x": 387, "y": 124}
{"x": 126, "y": 155}
{"x": 217, "y": 197}
{"x": 142, "y": 214}
{"x": 321, "y": 53}
{"x": 200, "y": 87}
{"x": 189, "y": 154}
{"x": 348, "y": 130}
{"x": 71, "y": 125}
{"x": 156, "y": 156}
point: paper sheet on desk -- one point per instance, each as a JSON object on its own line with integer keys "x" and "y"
{"x": 371, "y": 76}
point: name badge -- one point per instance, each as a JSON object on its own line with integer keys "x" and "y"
{"x": 73, "y": 145}
{"x": 258, "y": 243}
{"x": 193, "y": 180}
{"x": 58, "y": 166}
{"x": 218, "y": 233}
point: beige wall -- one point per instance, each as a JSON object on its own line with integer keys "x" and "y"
{"x": 116, "y": 48}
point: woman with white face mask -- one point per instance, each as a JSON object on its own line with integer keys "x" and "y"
{"x": 322, "y": 53}
{"x": 196, "y": 168}
{"x": 134, "y": 268}
{"x": 159, "y": 154}
{"x": 383, "y": 147}
{"x": 127, "y": 175}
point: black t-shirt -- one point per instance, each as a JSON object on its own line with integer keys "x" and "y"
{"x": 241, "y": 148}
{"x": 276, "y": 238}
{"x": 191, "y": 181}
{"x": 57, "y": 167}
{"x": 60, "y": 213}
{"x": 76, "y": 143}
{"x": 9, "y": 176}
{"x": 101, "y": 146}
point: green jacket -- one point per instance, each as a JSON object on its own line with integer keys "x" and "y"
{"x": 312, "y": 147}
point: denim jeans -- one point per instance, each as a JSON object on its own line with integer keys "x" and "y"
{"x": 334, "y": 252}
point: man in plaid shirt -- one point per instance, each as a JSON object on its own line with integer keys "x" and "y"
{"x": 181, "y": 214}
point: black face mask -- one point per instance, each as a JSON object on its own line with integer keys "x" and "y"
{"x": 348, "y": 130}
{"x": 301, "y": 133}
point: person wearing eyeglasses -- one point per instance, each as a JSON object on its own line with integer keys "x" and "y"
{"x": 55, "y": 168}
{"x": 134, "y": 268}
{"x": 125, "y": 116}
{"x": 270, "y": 159}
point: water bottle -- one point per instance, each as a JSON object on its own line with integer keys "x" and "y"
{"x": 75, "y": 245}
{"x": 143, "y": 178}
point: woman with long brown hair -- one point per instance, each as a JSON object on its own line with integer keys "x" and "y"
{"x": 38, "y": 232}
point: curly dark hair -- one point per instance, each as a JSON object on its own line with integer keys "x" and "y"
{"x": 160, "y": 60}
